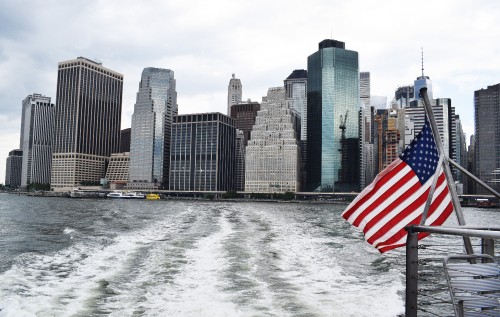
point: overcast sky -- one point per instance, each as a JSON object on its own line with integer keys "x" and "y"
{"x": 261, "y": 41}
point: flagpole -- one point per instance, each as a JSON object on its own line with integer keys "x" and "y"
{"x": 449, "y": 178}
{"x": 431, "y": 192}
{"x": 480, "y": 182}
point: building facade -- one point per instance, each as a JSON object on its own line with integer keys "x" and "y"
{"x": 13, "y": 168}
{"x": 37, "y": 128}
{"x": 203, "y": 152}
{"x": 296, "y": 97}
{"x": 125, "y": 135}
{"x": 244, "y": 115}
{"x": 154, "y": 110}
{"x": 117, "y": 174}
{"x": 273, "y": 152}
{"x": 234, "y": 93}
{"x": 239, "y": 162}
{"x": 87, "y": 122}
{"x": 333, "y": 160}
{"x": 487, "y": 137}
{"x": 444, "y": 114}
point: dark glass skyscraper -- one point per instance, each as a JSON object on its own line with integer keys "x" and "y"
{"x": 87, "y": 122}
{"x": 487, "y": 137}
{"x": 203, "y": 152}
{"x": 333, "y": 104}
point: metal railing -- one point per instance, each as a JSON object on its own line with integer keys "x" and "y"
{"x": 437, "y": 292}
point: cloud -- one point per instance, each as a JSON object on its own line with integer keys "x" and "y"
{"x": 204, "y": 42}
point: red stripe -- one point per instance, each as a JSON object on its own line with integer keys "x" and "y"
{"x": 399, "y": 200}
{"x": 384, "y": 197}
{"x": 390, "y": 247}
{"x": 439, "y": 221}
{"x": 398, "y": 235}
{"x": 387, "y": 177}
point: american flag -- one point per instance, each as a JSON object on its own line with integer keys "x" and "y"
{"x": 397, "y": 196}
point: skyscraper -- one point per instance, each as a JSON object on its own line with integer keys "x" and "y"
{"x": 333, "y": 104}
{"x": 296, "y": 97}
{"x": 154, "y": 111}
{"x": 244, "y": 115}
{"x": 37, "y": 127}
{"x": 203, "y": 152}
{"x": 487, "y": 137}
{"x": 234, "y": 93}
{"x": 444, "y": 113}
{"x": 364, "y": 88}
{"x": 272, "y": 153}
{"x": 13, "y": 168}
{"x": 87, "y": 122}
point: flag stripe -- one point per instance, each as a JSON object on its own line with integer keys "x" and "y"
{"x": 384, "y": 201}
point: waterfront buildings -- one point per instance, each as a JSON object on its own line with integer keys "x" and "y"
{"x": 37, "y": 127}
{"x": 234, "y": 93}
{"x": 203, "y": 152}
{"x": 273, "y": 152}
{"x": 486, "y": 163}
{"x": 333, "y": 104}
{"x": 154, "y": 110}
{"x": 87, "y": 122}
{"x": 13, "y": 168}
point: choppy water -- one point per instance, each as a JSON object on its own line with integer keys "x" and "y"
{"x": 93, "y": 257}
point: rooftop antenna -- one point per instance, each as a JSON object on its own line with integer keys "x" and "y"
{"x": 422, "y": 52}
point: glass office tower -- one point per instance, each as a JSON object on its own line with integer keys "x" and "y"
{"x": 154, "y": 110}
{"x": 487, "y": 138}
{"x": 333, "y": 104}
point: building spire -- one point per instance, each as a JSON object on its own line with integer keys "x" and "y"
{"x": 422, "y": 53}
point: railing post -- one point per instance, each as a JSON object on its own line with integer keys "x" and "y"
{"x": 411, "y": 273}
{"x": 488, "y": 246}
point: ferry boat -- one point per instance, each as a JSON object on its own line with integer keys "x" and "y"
{"x": 115, "y": 194}
{"x": 134, "y": 195}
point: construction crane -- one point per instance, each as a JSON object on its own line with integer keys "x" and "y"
{"x": 344, "y": 160}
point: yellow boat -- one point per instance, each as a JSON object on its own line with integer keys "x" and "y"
{"x": 152, "y": 196}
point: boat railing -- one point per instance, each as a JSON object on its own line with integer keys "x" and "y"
{"x": 427, "y": 292}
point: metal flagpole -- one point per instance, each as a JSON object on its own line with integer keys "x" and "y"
{"x": 449, "y": 177}
{"x": 432, "y": 189}
{"x": 480, "y": 182}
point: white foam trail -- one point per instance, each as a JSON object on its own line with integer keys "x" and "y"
{"x": 196, "y": 290}
{"x": 318, "y": 281}
{"x": 62, "y": 284}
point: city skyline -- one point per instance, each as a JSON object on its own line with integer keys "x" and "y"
{"x": 204, "y": 43}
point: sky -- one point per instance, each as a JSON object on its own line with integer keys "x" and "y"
{"x": 261, "y": 41}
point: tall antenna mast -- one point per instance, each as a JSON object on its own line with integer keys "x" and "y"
{"x": 422, "y": 52}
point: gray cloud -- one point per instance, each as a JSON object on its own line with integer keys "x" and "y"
{"x": 204, "y": 42}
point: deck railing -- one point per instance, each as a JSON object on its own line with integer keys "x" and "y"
{"x": 431, "y": 297}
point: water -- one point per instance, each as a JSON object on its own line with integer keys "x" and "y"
{"x": 103, "y": 257}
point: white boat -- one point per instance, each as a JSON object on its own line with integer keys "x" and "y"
{"x": 115, "y": 195}
{"x": 133, "y": 195}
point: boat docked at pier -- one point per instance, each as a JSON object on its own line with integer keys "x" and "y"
{"x": 126, "y": 195}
